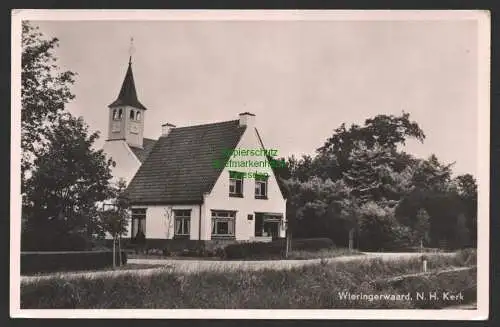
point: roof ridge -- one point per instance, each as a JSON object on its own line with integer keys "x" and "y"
{"x": 207, "y": 124}
{"x": 180, "y": 166}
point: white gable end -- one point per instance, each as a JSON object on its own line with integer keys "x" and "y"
{"x": 127, "y": 163}
{"x": 219, "y": 199}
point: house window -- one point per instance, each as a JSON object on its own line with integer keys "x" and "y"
{"x": 223, "y": 223}
{"x": 138, "y": 225}
{"x": 120, "y": 114}
{"x": 114, "y": 114}
{"x": 138, "y": 116}
{"x": 268, "y": 224}
{"x": 261, "y": 187}
{"x": 131, "y": 115}
{"x": 235, "y": 184}
{"x": 182, "y": 220}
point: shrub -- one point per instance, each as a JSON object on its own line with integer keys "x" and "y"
{"x": 253, "y": 250}
{"x": 38, "y": 241}
{"x": 37, "y": 262}
{"x": 311, "y": 244}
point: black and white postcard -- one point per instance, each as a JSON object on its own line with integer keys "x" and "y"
{"x": 245, "y": 163}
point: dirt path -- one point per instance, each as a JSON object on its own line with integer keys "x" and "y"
{"x": 190, "y": 266}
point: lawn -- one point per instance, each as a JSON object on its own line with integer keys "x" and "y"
{"x": 315, "y": 286}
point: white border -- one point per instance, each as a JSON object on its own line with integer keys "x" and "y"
{"x": 483, "y": 19}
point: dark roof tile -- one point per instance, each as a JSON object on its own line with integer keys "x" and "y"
{"x": 180, "y": 166}
{"x": 147, "y": 146}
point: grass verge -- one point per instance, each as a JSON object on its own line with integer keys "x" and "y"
{"x": 128, "y": 266}
{"x": 316, "y": 286}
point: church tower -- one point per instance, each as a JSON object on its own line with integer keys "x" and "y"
{"x": 126, "y": 114}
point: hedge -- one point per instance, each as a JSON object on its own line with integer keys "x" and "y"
{"x": 311, "y": 244}
{"x": 36, "y": 262}
{"x": 256, "y": 250}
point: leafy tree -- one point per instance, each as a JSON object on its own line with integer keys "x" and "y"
{"x": 45, "y": 90}
{"x": 432, "y": 175}
{"x": 116, "y": 218}
{"x": 314, "y": 207}
{"x": 467, "y": 190}
{"x": 368, "y": 163}
{"x": 442, "y": 208}
{"x": 384, "y": 131}
{"x": 373, "y": 177}
{"x": 61, "y": 193}
{"x": 422, "y": 227}
{"x": 377, "y": 227}
{"x": 350, "y": 217}
{"x": 461, "y": 232}
{"x": 301, "y": 168}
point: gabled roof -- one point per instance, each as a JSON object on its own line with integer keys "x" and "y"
{"x": 128, "y": 94}
{"x": 147, "y": 146}
{"x": 180, "y": 166}
{"x": 281, "y": 184}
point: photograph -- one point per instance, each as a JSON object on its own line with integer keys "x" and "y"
{"x": 250, "y": 164}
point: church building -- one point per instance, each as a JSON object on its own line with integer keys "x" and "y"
{"x": 185, "y": 186}
{"x": 126, "y": 143}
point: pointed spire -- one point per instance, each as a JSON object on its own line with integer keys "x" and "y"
{"x": 128, "y": 94}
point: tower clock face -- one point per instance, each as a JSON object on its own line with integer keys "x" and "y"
{"x": 115, "y": 128}
{"x": 134, "y": 129}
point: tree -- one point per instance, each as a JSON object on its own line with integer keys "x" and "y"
{"x": 432, "y": 175}
{"x": 62, "y": 192}
{"x": 461, "y": 232}
{"x": 422, "y": 227}
{"x": 115, "y": 219}
{"x": 377, "y": 227}
{"x": 44, "y": 93}
{"x": 383, "y": 131}
{"x": 467, "y": 190}
{"x": 367, "y": 160}
{"x": 349, "y": 214}
{"x": 168, "y": 221}
{"x": 314, "y": 208}
{"x": 443, "y": 207}
{"x": 372, "y": 175}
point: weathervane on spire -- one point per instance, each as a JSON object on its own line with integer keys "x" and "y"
{"x": 131, "y": 50}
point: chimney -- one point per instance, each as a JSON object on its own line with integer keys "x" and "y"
{"x": 166, "y": 128}
{"x": 247, "y": 119}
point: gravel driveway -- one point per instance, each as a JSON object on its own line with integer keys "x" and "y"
{"x": 197, "y": 265}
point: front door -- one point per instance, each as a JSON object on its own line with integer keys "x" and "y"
{"x": 271, "y": 228}
{"x": 267, "y": 225}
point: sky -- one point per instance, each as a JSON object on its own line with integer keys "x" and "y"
{"x": 301, "y": 79}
